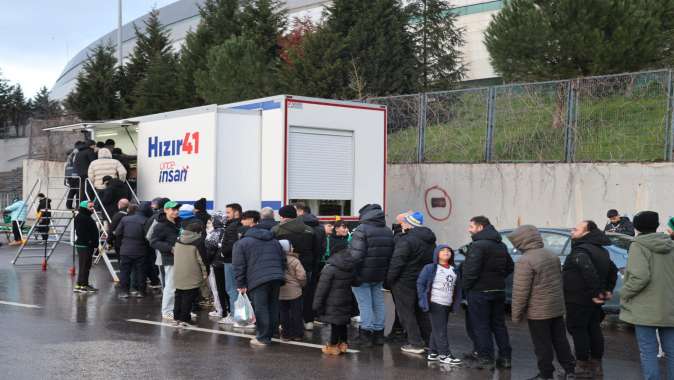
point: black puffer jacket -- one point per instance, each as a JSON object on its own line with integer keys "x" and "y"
{"x": 111, "y": 195}
{"x": 85, "y": 156}
{"x": 413, "y": 250}
{"x": 302, "y": 237}
{"x": 164, "y": 236}
{"x": 257, "y": 259}
{"x": 131, "y": 235}
{"x": 319, "y": 237}
{"x": 233, "y": 232}
{"x": 624, "y": 226}
{"x": 85, "y": 229}
{"x": 371, "y": 246}
{"x": 588, "y": 270}
{"x": 333, "y": 298}
{"x": 488, "y": 263}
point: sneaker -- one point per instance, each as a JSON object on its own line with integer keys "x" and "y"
{"x": 257, "y": 343}
{"x": 157, "y": 286}
{"x": 470, "y": 356}
{"x": 309, "y": 326}
{"x": 90, "y": 289}
{"x": 214, "y": 314}
{"x": 318, "y": 323}
{"x": 123, "y": 295}
{"x": 484, "y": 363}
{"x": 168, "y": 316}
{"x": 193, "y": 315}
{"x": 355, "y": 319}
{"x": 79, "y": 289}
{"x": 185, "y": 324}
{"x": 249, "y": 326}
{"x": 432, "y": 357}
{"x": 228, "y": 320}
{"x": 138, "y": 295}
{"x": 412, "y": 349}
{"x": 449, "y": 359}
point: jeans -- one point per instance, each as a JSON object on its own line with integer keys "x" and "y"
{"x": 291, "y": 318}
{"x": 129, "y": 265}
{"x": 84, "y": 256}
{"x": 487, "y": 314}
{"x": 549, "y": 337}
{"x": 413, "y": 320}
{"x": 439, "y": 342}
{"x": 184, "y": 298}
{"x": 584, "y": 325}
{"x": 370, "y": 299}
{"x": 168, "y": 296}
{"x": 648, "y": 349}
{"x": 470, "y": 331}
{"x": 230, "y": 285}
{"x": 266, "y": 307}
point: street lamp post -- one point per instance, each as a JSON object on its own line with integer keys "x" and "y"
{"x": 119, "y": 32}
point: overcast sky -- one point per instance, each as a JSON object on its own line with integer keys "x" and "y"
{"x": 38, "y": 37}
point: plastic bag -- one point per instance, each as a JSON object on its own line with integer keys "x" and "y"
{"x": 243, "y": 310}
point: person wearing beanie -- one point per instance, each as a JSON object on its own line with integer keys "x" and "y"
{"x": 307, "y": 248}
{"x": 189, "y": 270}
{"x": 200, "y": 211}
{"x": 132, "y": 248}
{"x": 648, "y": 283}
{"x": 186, "y": 212}
{"x": 413, "y": 250}
{"x": 87, "y": 241}
{"x": 163, "y": 238}
{"x": 618, "y": 224}
{"x": 290, "y": 295}
{"x": 589, "y": 277}
{"x": 371, "y": 250}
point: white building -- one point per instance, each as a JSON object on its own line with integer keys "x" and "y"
{"x": 183, "y": 15}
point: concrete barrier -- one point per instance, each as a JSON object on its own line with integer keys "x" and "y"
{"x": 546, "y": 195}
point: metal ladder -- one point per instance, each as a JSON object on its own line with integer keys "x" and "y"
{"x": 103, "y": 221}
{"x": 50, "y": 227}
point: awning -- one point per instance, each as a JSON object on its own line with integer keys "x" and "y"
{"x": 90, "y": 125}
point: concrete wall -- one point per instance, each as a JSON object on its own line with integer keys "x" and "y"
{"x": 12, "y": 151}
{"x": 50, "y": 186}
{"x": 546, "y": 195}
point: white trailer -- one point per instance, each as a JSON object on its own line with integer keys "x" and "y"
{"x": 264, "y": 152}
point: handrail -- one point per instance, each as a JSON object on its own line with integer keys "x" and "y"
{"x": 68, "y": 188}
{"x": 132, "y": 192}
{"x": 30, "y": 194}
{"x": 96, "y": 197}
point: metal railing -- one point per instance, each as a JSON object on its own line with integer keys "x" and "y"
{"x": 615, "y": 118}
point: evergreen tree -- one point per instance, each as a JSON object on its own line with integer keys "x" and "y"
{"x": 219, "y": 21}
{"x": 155, "y": 93}
{"x": 19, "y": 110}
{"x": 438, "y": 42}
{"x": 539, "y": 40}
{"x": 5, "y": 91}
{"x": 263, "y": 22}
{"x": 237, "y": 70}
{"x": 43, "y": 107}
{"x": 96, "y": 93}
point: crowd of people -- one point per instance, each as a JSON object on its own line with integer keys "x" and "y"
{"x": 298, "y": 272}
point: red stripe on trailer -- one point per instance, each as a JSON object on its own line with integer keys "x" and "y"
{"x": 285, "y": 152}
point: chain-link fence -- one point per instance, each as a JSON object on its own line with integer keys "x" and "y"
{"x": 619, "y": 118}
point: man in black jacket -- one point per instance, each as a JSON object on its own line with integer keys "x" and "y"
{"x": 618, "y": 224}
{"x": 485, "y": 270}
{"x": 259, "y": 267}
{"x": 164, "y": 235}
{"x": 85, "y": 156}
{"x": 413, "y": 250}
{"x": 371, "y": 250}
{"x": 233, "y": 232}
{"x": 589, "y": 278}
{"x": 86, "y": 243}
{"x": 114, "y": 191}
{"x": 151, "y": 267}
{"x": 319, "y": 245}
{"x": 303, "y": 240}
{"x": 122, "y": 211}
{"x": 132, "y": 249}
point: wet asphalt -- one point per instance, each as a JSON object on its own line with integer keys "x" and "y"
{"x": 74, "y": 336}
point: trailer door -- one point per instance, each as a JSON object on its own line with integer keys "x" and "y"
{"x": 320, "y": 164}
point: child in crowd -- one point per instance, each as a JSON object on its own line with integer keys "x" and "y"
{"x": 333, "y": 299}
{"x": 290, "y": 295}
{"x": 437, "y": 292}
{"x": 189, "y": 270}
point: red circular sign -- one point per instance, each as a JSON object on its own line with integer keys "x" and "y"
{"x": 438, "y": 203}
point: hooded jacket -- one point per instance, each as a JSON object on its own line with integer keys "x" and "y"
{"x": 371, "y": 246}
{"x": 645, "y": 298}
{"x": 537, "y": 283}
{"x": 296, "y": 278}
{"x": 257, "y": 259}
{"x": 487, "y": 263}
{"x": 302, "y": 238}
{"x": 624, "y": 226}
{"x": 189, "y": 270}
{"x": 105, "y": 165}
{"x": 588, "y": 270}
{"x": 131, "y": 234}
{"x": 333, "y": 300}
{"x": 85, "y": 156}
{"x": 164, "y": 236}
{"x": 413, "y": 250}
{"x": 85, "y": 229}
{"x": 320, "y": 242}
{"x": 215, "y": 240}
{"x": 112, "y": 193}
{"x": 17, "y": 211}
{"x": 267, "y": 224}
{"x": 425, "y": 282}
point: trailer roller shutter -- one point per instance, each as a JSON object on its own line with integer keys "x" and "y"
{"x": 320, "y": 164}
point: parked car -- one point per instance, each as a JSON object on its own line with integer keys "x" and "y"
{"x": 558, "y": 240}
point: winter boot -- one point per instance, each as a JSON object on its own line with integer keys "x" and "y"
{"x": 584, "y": 370}
{"x": 597, "y": 368}
{"x": 329, "y": 349}
{"x": 364, "y": 338}
{"x": 343, "y": 347}
{"x": 378, "y": 338}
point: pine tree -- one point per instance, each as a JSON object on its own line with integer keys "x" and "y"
{"x": 155, "y": 93}
{"x": 438, "y": 42}
{"x": 5, "y": 91}
{"x": 220, "y": 20}
{"x": 237, "y": 70}
{"x": 43, "y": 107}
{"x": 263, "y": 22}
{"x": 19, "y": 110}
{"x": 539, "y": 40}
{"x": 96, "y": 93}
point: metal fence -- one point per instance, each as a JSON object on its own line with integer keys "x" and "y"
{"x": 619, "y": 118}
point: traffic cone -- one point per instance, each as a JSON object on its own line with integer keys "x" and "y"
{"x": 71, "y": 271}
{"x": 44, "y": 265}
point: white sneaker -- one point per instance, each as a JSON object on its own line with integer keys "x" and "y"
{"x": 245, "y": 327}
{"x": 355, "y": 319}
{"x": 193, "y": 315}
{"x": 214, "y": 314}
{"x": 309, "y": 326}
{"x": 168, "y": 316}
{"x": 228, "y": 320}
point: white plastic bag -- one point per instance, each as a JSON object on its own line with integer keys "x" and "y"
{"x": 243, "y": 311}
